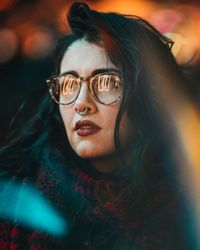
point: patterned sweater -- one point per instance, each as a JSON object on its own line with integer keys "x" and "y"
{"x": 104, "y": 212}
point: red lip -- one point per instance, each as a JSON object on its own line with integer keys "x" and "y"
{"x": 86, "y": 127}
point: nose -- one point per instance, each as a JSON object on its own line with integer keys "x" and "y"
{"x": 85, "y": 100}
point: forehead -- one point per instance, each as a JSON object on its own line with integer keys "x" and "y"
{"x": 84, "y": 57}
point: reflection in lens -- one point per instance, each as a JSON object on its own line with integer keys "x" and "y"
{"x": 68, "y": 86}
{"x": 103, "y": 83}
{"x": 69, "y": 89}
{"x": 107, "y": 88}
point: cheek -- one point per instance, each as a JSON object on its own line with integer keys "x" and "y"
{"x": 108, "y": 120}
{"x": 67, "y": 117}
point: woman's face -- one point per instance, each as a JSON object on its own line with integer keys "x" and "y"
{"x": 84, "y": 58}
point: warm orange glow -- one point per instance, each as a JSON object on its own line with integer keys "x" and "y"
{"x": 181, "y": 22}
{"x": 184, "y": 50}
{"x": 188, "y": 130}
{"x": 38, "y": 43}
{"x": 138, "y": 7}
{"x": 188, "y": 123}
{"x": 6, "y": 5}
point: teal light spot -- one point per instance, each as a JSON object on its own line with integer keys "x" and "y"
{"x": 24, "y": 204}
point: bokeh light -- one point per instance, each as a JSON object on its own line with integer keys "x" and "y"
{"x": 138, "y": 7}
{"x": 23, "y": 204}
{"x": 38, "y": 43}
{"x": 8, "y": 45}
{"x": 183, "y": 50}
{"x": 166, "y": 20}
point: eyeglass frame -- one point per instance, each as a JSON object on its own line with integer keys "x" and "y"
{"x": 81, "y": 80}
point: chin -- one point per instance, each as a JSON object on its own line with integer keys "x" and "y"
{"x": 92, "y": 154}
{"x": 87, "y": 154}
{"x": 90, "y": 150}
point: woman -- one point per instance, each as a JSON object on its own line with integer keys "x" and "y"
{"x": 99, "y": 153}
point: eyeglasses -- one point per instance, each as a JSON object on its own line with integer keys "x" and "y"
{"x": 105, "y": 87}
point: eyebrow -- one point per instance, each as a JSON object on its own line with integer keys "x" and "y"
{"x": 104, "y": 70}
{"x": 94, "y": 72}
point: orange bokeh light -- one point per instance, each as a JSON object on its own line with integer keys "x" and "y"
{"x": 138, "y": 7}
{"x": 38, "y": 43}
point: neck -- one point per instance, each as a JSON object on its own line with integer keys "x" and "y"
{"x": 109, "y": 164}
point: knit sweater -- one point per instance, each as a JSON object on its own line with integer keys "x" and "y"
{"x": 104, "y": 212}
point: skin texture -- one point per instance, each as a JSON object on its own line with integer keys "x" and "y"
{"x": 84, "y": 57}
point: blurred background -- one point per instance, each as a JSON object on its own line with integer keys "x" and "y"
{"x": 29, "y": 30}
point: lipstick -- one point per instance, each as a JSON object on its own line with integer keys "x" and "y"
{"x": 86, "y": 128}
